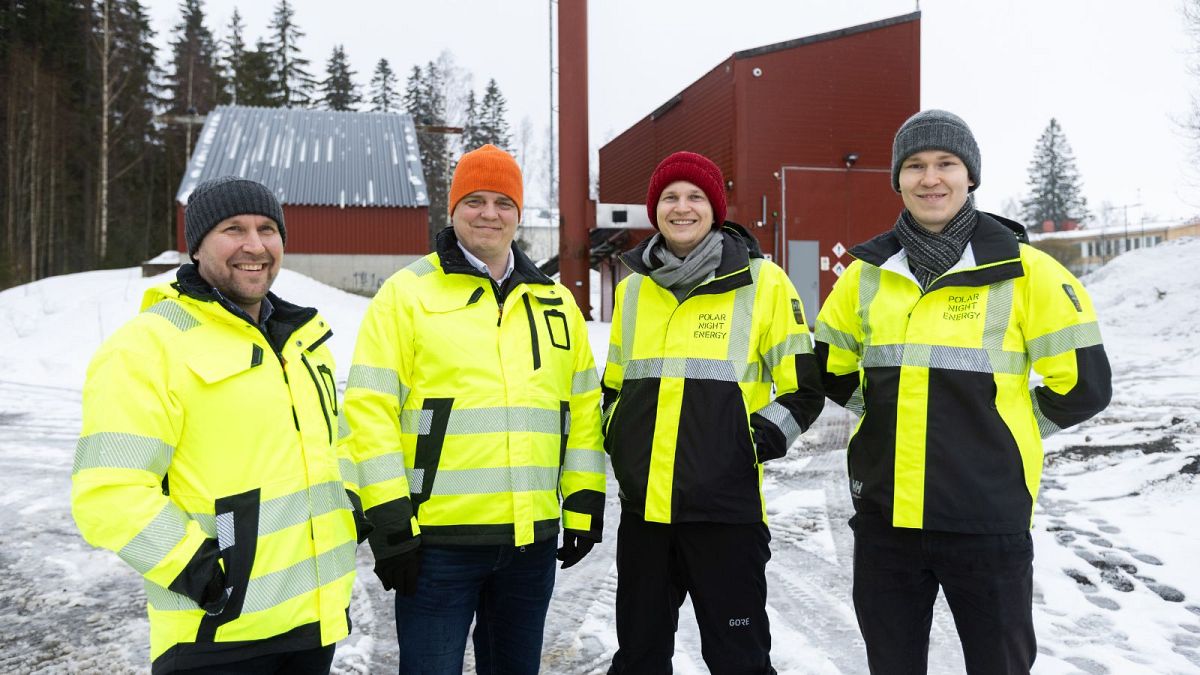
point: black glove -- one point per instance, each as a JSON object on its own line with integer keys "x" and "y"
{"x": 215, "y": 595}
{"x": 573, "y": 549}
{"x": 400, "y": 572}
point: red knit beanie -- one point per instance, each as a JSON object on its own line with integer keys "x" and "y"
{"x": 695, "y": 169}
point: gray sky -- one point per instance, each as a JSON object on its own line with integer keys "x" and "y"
{"x": 1114, "y": 73}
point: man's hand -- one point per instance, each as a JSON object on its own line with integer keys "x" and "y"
{"x": 573, "y": 549}
{"x": 400, "y": 572}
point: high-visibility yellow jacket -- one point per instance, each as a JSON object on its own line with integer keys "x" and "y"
{"x": 949, "y": 437}
{"x": 201, "y": 439}
{"x": 473, "y": 408}
{"x": 688, "y": 406}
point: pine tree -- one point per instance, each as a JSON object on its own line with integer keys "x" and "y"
{"x": 193, "y": 80}
{"x": 294, "y": 85}
{"x": 1056, "y": 193}
{"x": 338, "y": 90}
{"x": 493, "y": 117}
{"x": 424, "y": 99}
{"x": 383, "y": 88}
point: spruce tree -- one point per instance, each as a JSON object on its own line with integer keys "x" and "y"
{"x": 383, "y": 88}
{"x": 424, "y": 99}
{"x": 338, "y": 90}
{"x": 473, "y": 134}
{"x": 493, "y": 117}
{"x": 193, "y": 77}
{"x": 256, "y": 86}
{"x": 1056, "y": 193}
{"x": 234, "y": 60}
{"x": 294, "y": 85}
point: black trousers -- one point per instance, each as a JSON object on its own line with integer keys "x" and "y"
{"x": 722, "y": 566}
{"x": 988, "y": 582}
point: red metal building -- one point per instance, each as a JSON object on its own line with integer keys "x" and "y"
{"x": 802, "y": 131}
{"x": 351, "y": 186}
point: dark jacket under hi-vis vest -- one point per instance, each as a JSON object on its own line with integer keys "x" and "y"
{"x": 949, "y": 437}
{"x": 688, "y": 386}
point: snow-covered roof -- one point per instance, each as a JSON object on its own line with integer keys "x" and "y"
{"x": 312, "y": 157}
{"x": 1110, "y": 231}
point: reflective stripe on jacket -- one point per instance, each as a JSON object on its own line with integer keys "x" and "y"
{"x": 471, "y": 415}
{"x": 950, "y": 434}
{"x": 195, "y": 434}
{"x": 688, "y": 407}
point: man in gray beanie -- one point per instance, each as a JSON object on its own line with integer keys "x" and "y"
{"x": 210, "y": 458}
{"x": 929, "y": 336}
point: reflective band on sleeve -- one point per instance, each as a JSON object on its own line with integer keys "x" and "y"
{"x": 380, "y": 469}
{"x": 416, "y": 480}
{"x": 416, "y": 422}
{"x": 585, "y": 381}
{"x": 793, "y": 345}
{"x": 999, "y": 310}
{"x": 421, "y": 267}
{"x": 742, "y": 319}
{"x": 343, "y": 427}
{"x": 497, "y": 420}
{"x": 614, "y": 353}
{"x": 782, "y": 417}
{"x": 629, "y": 310}
{"x": 834, "y": 337}
{"x": 111, "y": 450}
{"x": 348, "y": 470}
{"x": 1045, "y": 427}
{"x": 272, "y": 589}
{"x": 868, "y": 288}
{"x": 591, "y": 461}
{"x": 856, "y": 404}
{"x": 692, "y": 369}
{"x": 171, "y": 311}
{"x": 382, "y": 380}
{"x": 1064, "y": 340}
{"x": 969, "y": 359}
{"x": 163, "y": 600}
{"x": 156, "y": 540}
{"x": 497, "y": 480}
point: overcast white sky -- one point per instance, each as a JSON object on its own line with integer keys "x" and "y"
{"x": 1113, "y": 72}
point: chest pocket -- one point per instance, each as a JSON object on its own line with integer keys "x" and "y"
{"x": 221, "y": 364}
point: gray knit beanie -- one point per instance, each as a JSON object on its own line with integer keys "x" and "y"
{"x": 935, "y": 130}
{"x": 216, "y": 199}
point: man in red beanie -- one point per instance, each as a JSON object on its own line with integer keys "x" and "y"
{"x": 473, "y": 403}
{"x": 702, "y": 330}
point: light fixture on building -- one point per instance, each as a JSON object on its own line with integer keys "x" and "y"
{"x": 850, "y": 159}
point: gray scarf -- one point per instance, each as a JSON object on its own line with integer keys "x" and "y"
{"x": 929, "y": 254}
{"x": 681, "y": 275}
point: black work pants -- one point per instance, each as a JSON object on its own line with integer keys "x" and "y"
{"x": 988, "y": 582}
{"x": 722, "y": 566}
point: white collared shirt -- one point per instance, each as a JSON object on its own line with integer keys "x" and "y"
{"x": 482, "y": 266}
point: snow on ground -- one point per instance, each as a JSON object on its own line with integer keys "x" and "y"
{"x": 1116, "y": 590}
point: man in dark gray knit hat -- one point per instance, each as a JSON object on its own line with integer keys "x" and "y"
{"x": 929, "y": 336}
{"x": 235, "y": 235}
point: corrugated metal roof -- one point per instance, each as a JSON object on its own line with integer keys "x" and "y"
{"x": 313, "y": 157}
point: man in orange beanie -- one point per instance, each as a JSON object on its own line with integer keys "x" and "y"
{"x": 473, "y": 404}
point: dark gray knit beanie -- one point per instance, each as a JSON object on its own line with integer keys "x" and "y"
{"x": 935, "y": 130}
{"x": 216, "y": 199}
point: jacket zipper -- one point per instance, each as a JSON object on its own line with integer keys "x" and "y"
{"x": 320, "y": 395}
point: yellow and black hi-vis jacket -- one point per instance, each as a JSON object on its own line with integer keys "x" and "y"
{"x": 474, "y": 408}
{"x": 207, "y": 441}
{"x": 950, "y": 435}
{"x": 688, "y": 409}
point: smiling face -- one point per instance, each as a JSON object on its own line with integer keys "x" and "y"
{"x": 685, "y": 216}
{"x": 485, "y": 223}
{"x": 934, "y": 185}
{"x": 240, "y": 257}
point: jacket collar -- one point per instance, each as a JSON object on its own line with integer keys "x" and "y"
{"x": 737, "y": 248}
{"x": 454, "y": 262}
{"x": 285, "y": 320}
{"x": 994, "y": 247}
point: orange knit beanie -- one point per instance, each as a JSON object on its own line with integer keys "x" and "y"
{"x": 487, "y": 168}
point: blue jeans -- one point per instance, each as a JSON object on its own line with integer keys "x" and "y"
{"x": 506, "y": 589}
